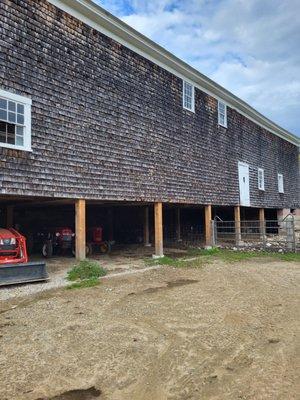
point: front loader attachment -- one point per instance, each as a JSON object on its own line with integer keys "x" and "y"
{"x": 21, "y": 273}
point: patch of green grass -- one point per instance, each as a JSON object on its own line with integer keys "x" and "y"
{"x": 195, "y": 262}
{"x": 240, "y": 255}
{"x": 289, "y": 256}
{"x": 196, "y": 257}
{"x": 192, "y": 251}
{"x": 86, "y": 270}
{"x": 87, "y": 283}
{"x": 85, "y": 274}
{"x": 160, "y": 261}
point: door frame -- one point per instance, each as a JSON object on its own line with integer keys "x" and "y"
{"x": 244, "y": 164}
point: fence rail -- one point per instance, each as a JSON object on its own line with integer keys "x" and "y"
{"x": 273, "y": 235}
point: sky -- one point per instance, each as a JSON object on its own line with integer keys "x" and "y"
{"x": 250, "y": 47}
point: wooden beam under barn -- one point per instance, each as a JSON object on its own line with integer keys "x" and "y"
{"x": 237, "y": 222}
{"x": 80, "y": 228}
{"x": 208, "y": 227}
{"x": 158, "y": 222}
{"x": 146, "y": 227}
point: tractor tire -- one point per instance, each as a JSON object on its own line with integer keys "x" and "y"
{"x": 89, "y": 249}
{"x": 104, "y": 248}
{"x": 47, "y": 249}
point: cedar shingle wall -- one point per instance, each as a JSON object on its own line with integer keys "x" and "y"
{"x": 108, "y": 124}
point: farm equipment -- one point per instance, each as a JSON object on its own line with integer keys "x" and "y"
{"x": 58, "y": 241}
{"x": 95, "y": 242}
{"x": 14, "y": 265}
{"x": 61, "y": 241}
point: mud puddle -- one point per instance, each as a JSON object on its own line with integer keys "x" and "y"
{"x": 170, "y": 285}
{"x": 78, "y": 394}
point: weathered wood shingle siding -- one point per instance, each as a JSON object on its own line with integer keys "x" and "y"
{"x": 109, "y": 124}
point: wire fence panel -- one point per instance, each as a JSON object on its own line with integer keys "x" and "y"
{"x": 187, "y": 236}
{"x": 272, "y": 235}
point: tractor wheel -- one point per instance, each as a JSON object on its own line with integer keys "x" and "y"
{"x": 104, "y": 247}
{"x": 47, "y": 249}
{"x": 89, "y": 249}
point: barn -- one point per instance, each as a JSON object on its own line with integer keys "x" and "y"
{"x": 100, "y": 126}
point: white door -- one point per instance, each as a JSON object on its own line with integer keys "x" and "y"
{"x": 244, "y": 184}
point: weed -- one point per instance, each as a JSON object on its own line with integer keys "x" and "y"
{"x": 84, "y": 284}
{"x": 86, "y": 270}
{"x": 85, "y": 274}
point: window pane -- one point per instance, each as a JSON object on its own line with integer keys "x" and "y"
{"x": 11, "y": 134}
{"x": 19, "y": 130}
{"x": 12, "y": 106}
{"x": 11, "y": 117}
{"x": 2, "y": 137}
{"x": 188, "y": 103}
{"x": 3, "y": 115}
{"x": 3, "y": 104}
{"x": 188, "y": 95}
{"x": 20, "y": 119}
{"x": 2, "y": 126}
{"x": 10, "y": 128}
{"x": 20, "y": 109}
{"x": 222, "y": 108}
{"x": 19, "y": 140}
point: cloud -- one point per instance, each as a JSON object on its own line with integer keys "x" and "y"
{"x": 251, "y": 47}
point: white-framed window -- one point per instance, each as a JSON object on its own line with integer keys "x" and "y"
{"x": 222, "y": 114}
{"x": 15, "y": 121}
{"x": 188, "y": 98}
{"x": 261, "y": 179}
{"x": 280, "y": 183}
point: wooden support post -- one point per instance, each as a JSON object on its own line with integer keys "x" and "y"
{"x": 262, "y": 223}
{"x": 80, "y": 228}
{"x": 178, "y": 225}
{"x": 208, "y": 230}
{"x": 110, "y": 225}
{"x": 237, "y": 220}
{"x": 9, "y": 216}
{"x": 158, "y": 222}
{"x": 146, "y": 228}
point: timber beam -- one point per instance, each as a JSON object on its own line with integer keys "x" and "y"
{"x": 80, "y": 228}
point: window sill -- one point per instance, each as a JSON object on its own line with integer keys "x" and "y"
{"x": 14, "y": 147}
{"x": 261, "y": 190}
{"x": 223, "y": 126}
{"x": 188, "y": 109}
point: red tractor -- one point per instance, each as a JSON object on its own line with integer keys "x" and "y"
{"x": 61, "y": 241}
{"x": 58, "y": 241}
{"x": 95, "y": 242}
{"x": 14, "y": 265}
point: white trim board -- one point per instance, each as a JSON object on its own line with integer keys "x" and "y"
{"x": 101, "y": 20}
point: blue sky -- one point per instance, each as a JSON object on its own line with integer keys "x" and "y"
{"x": 251, "y": 47}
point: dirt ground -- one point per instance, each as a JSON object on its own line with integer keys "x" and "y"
{"x": 122, "y": 260}
{"x": 223, "y": 331}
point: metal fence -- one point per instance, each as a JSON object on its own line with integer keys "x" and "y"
{"x": 272, "y": 235}
{"x": 189, "y": 235}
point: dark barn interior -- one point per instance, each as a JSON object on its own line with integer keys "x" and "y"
{"x": 122, "y": 224}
